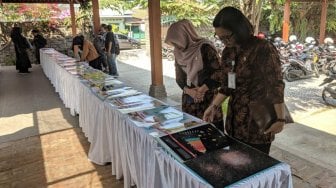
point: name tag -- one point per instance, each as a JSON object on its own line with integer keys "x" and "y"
{"x": 232, "y": 80}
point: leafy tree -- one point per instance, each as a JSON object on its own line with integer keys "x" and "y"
{"x": 28, "y": 12}
{"x": 40, "y": 15}
{"x": 304, "y": 19}
{"x": 252, "y": 10}
{"x": 265, "y": 15}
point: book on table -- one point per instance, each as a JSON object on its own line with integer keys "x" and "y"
{"x": 117, "y": 91}
{"x": 215, "y": 157}
{"x": 135, "y": 103}
{"x": 163, "y": 117}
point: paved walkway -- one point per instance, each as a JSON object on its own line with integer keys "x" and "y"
{"x": 41, "y": 144}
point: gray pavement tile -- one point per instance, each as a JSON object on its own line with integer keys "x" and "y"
{"x": 29, "y": 105}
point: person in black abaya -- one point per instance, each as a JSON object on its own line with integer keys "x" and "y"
{"x": 39, "y": 42}
{"x": 21, "y": 45}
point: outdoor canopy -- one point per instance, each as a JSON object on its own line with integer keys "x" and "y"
{"x": 43, "y": 1}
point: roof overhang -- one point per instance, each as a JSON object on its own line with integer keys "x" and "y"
{"x": 43, "y": 1}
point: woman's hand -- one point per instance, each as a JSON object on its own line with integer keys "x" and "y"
{"x": 201, "y": 92}
{"x": 192, "y": 92}
{"x": 275, "y": 128}
{"x": 209, "y": 113}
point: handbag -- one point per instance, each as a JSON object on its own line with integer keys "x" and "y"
{"x": 264, "y": 115}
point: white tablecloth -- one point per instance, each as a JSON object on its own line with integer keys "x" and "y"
{"x": 66, "y": 84}
{"x": 133, "y": 153}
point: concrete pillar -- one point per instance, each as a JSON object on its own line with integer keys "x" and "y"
{"x": 286, "y": 21}
{"x": 323, "y": 20}
{"x": 73, "y": 18}
{"x": 95, "y": 15}
{"x": 157, "y": 89}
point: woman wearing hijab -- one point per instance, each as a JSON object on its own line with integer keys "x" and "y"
{"x": 196, "y": 60}
{"x": 21, "y": 45}
{"x": 89, "y": 52}
{"x": 251, "y": 73}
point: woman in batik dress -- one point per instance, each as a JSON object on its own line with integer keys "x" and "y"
{"x": 251, "y": 72}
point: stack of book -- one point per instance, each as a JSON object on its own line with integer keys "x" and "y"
{"x": 165, "y": 118}
{"x": 133, "y": 103}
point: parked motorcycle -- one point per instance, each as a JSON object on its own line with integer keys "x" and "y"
{"x": 301, "y": 67}
{"x": 168, "y": 53}
{"x": 329, "y": 91}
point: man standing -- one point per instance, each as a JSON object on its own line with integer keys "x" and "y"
{"x": 99, "y": 44}
{"x": 39, "y": 42}
{"x": 110, "y": 49}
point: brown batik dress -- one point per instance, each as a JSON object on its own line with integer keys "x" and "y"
{"x": 258, "y": 74}
{"x": 210, "y": 67}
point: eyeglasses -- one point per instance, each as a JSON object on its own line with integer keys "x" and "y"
{"x": 223, "y": 37}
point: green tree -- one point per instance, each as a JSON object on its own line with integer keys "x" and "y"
{"x": 264, "y": 14}
{"x": 252, "y": 10}
{"x": 305, "y": 18}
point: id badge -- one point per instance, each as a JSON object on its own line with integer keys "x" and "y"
{"x": 232, "y": 80}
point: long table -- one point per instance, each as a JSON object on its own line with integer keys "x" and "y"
{"x": 135, "y": 155}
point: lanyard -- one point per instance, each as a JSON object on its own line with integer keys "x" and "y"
{"x": 232, "y": 65}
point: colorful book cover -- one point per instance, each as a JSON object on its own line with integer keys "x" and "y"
{"x": 196, "y": 141}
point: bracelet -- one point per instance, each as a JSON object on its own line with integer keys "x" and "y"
{"x": 280, "y": 120}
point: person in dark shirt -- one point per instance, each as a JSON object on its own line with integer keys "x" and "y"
{"x": 110, "y": 49}
{"x": 196, "y": 60}
{"x": 99, "y": 44}
{"x": 251, "y": 72}
{"x": 21, "y": 45}
{"x": 39, "y": 42}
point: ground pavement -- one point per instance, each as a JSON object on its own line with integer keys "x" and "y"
{"x": 40, "y": 142}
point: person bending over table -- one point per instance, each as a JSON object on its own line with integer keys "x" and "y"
{"x": 251, "y": 71}
{"x": 196, "y": 59}
{"x": 89, "y": 52}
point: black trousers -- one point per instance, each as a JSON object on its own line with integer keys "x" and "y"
{"x": 97, "y": 63}
{"x": 37, "y": 55}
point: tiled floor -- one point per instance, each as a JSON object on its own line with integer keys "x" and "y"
{"x": 41, "y": 144}
{"x": 57, "y": 159}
